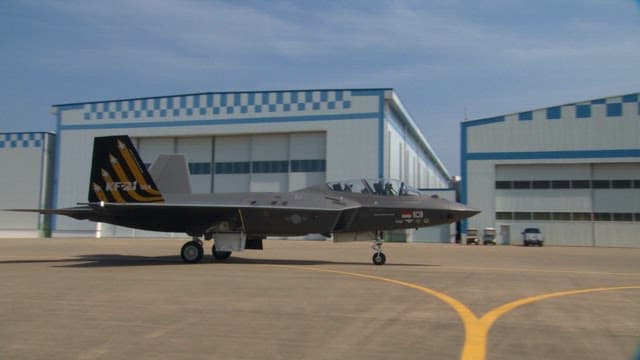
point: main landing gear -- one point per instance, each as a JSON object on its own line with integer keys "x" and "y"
{"x": 378, "y": 257}
{"x": 193, "y": 251}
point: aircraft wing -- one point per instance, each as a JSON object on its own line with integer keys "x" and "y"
{"x": 203, "y": 218}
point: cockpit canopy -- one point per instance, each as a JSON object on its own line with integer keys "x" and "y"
{"x": 381, "y": 186}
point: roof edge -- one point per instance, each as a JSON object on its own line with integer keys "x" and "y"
{"x": 215, "y": 92}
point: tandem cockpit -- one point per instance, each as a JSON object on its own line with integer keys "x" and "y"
{"x": 381, "y": 186}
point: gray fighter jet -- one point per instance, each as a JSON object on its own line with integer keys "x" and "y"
{"x": 122, "y": 192}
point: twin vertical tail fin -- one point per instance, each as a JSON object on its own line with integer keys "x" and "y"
{"x": 118, "y": 174}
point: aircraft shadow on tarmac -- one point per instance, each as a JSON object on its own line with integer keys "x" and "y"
{"x": 118, "y": 260}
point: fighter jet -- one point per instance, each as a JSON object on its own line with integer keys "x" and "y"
{"x": 122, "y": 192}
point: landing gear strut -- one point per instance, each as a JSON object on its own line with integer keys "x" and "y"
{"x": 378, "y": 258}
{"x": 192, "y": 251}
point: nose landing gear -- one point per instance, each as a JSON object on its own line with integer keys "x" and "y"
{"x": 378, "y": 258}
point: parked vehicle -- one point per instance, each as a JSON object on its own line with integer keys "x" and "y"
{"x": 532, "y": 236}
{"x": 489, "y": 236}
{"x": 472, "y": 236}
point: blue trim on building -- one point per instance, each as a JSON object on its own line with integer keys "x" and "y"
{"x": 614, "y": 109}
{"x": 23, "y": 140}
{"x": 583, "y": 111}
{"x": 219, "y": 103}
{"x": 525, "y": 116}
{"x": 554, "y": 113}
{"x": 56, "y": 171}
{"x": 261, "y": 120}
{"x": 381, "y": 134}
{"x": 485, "y": 121}
{"x": 463, "y": 168}
{"x": 546, "y": 155}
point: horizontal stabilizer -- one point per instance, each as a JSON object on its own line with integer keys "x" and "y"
{"x": 78, "y": 212}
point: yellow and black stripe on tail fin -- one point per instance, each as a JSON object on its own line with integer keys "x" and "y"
{"x": 118, "y": 174}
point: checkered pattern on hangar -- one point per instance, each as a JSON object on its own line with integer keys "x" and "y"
{"x": 212, "y": 105}
{"x": 21, "y": 140}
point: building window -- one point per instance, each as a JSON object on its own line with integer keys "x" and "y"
{"x": 636, "y": 184}
{"x": 583, "y": 111}
{"x": 580, "y": 184}
{"x": 308, "y": 165}
{"x": 200, "y": 168}
{"x": 601, "y": 216}
{"x": 560, "y": 184}
{"x": 614, "y": 109}
{"x": 622, "y": 217}
{"x": 503, "y": 215}
{"x": 270, "y": 166}
{"x": 522, "y": 184}
{"x": 541, "y": 216}
{"x": 503, "y": 185}
{"x": 561, "y": 216}
{"x": 600, "y": 184}
{"x": 522, "y": 216}
{"x": 580, "y": 216}
{"x": 237, "y": 167}
{"x": 621, "y": 184}
{"x": 541, "y": 184}
{"x": 554, "y": 113}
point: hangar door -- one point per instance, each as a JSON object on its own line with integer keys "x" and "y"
{"x": 242, "y": 163}
{"x": 274, "y": 162}
{"x": 589, "y": 204}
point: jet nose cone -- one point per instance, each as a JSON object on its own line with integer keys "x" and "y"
{"x": 469, "y": 212}
{"x": 462, "y": 211}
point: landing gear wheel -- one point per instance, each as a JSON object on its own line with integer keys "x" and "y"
{"x": 192, "y": 252}
{"x": 379, "y": 258}
{"x": 220, "y": 255}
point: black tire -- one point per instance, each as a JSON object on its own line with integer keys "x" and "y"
{"x": 220, "y": 255}
{"x": 379, "y": 258}
{"x": 192, "y": 252}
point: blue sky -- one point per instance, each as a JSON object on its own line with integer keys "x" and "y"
{"x": 441, "y": 56}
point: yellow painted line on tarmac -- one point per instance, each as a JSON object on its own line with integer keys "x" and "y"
{"x": 475, "y": 347}
{"x": 476, "y": 329}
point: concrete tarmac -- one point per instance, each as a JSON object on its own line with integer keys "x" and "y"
{"x": 135, "y": 298}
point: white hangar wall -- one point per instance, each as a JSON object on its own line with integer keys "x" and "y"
{"x": 572, "y": 170}
{"x": 26, "y": 160}
{"x": 248, "y": 141}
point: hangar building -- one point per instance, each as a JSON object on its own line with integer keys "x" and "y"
{"x": 26, "y": 160}
{"x": 248, "y": 141}
{"x": 571, "y": 170}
